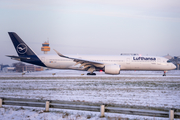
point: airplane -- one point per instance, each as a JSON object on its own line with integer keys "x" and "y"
{"x": 91, "y": 63}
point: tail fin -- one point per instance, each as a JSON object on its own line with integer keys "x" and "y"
{"x": 20, "y": 46}
{"x": 24, "y": 52}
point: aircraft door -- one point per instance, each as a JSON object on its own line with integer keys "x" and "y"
{"x": 128, "y": 66}
{"x": 128, "y": 61}
{"x": 159, "y": 61}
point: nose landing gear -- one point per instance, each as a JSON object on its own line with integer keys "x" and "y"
{"x": 164, "y": 73}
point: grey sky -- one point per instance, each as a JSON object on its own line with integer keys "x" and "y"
{"x": 92, "y": 26}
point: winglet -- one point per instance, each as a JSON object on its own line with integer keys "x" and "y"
{"x": 61, "y": 55}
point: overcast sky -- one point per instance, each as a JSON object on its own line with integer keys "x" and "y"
{"x": 111, "y": 27}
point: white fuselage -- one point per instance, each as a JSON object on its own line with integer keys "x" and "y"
{"x": 90, "y": 63}
{"x": 126, "y": 62}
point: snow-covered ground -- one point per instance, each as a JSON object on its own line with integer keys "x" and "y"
{"x": 130, "y": 88}
{"x": 30, "y": 113}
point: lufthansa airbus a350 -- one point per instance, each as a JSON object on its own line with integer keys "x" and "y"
{"x": 108, "y": 64}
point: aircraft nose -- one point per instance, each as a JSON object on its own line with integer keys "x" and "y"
{"x": 173, "y": 66}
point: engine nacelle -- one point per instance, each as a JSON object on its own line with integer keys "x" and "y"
{"x": 112, "y": 69}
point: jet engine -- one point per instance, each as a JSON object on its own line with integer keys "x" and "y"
{"x": 112, "y": 69}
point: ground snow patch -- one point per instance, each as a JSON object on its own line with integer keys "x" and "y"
{"x": 27, "y": 113}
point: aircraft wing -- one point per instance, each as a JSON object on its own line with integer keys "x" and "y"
{"x": 85, "y": 63}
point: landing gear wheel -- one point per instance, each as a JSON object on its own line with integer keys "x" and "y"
{"x": 91, "y": 73}
{"x": 164, "y": 73}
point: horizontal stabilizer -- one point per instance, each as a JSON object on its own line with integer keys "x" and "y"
{"x": 18, "y": 57}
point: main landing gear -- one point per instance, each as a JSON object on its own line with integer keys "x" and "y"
{"x": 164, "y": 73}
{"x": 91, "y": 73}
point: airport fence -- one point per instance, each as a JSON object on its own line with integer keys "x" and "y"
{"x": 170, "y": 113}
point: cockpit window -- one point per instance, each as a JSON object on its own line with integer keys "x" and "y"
{"x": 169, "y": 61}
